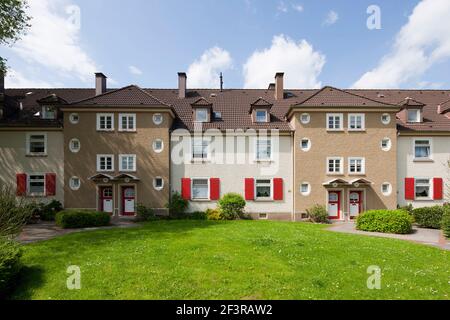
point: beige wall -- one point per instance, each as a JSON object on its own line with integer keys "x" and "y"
{"x": 13, "y": 159}
{"x": 149, "y": 164}
{"x": 310, "y": 166}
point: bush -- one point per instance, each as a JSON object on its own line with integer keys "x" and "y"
{"x": 48, "y": 211}
{"x": 318, "y": 214}
{"x": 69, "y": 219}
{"x": 14, "y": 213}
{"x": 144, "y": 213}
{"x": 387, "y": 221}
{"x": 429, "y": 217}
{"x": 445, "y": 222}
{"x": 198, "y": 215}
{"x": 231, "y": 206}
{"x": 9, "y": 265}
{"x": 214, "y": 214}
{"x": 177, "y": 206}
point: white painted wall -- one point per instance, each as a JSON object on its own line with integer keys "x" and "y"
{"x": 408, "y": 168}
{"x": 232, "y": 175}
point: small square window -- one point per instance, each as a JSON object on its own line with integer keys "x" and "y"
{"x": 263, "y": 149}
{"x": 422, "y": 149}
{"x": 127, "y": 122}
{"x": 105, "y": 163}
{"x": 158, "y": 145}
{"x": 105, "y": 122}
{"x": 305, "y": 188}
{"x": 356, "y": 122}
{"x": 305, "y": 144}
{"x": 127, "y": 162}
{"x": 422, "y": 189}
{"x": 37, "y": 144}
{"x": 201, "y": 115}
{"x": 36, "y": 185}
{"x": 200, "y": 189}
{"x": 263, "y": 189}
{"x": 386, "y": 188}
{"x": 48, "y": 112}
{"x": 261, "y": 116}
{"x": 414, "y": 115}
{"x": 356, "y": 165}
{"x": 334, "y": 121}
{"x": 334, "y": 166}
{"x": 158, "y": 183}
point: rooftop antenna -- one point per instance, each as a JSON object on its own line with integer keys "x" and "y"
{"x": 221, "y": 82}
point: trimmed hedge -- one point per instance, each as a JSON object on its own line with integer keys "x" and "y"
{"x": 70, "y": 219}
{"x": 10, "y": 265}
{"x": 387, "y": 221}
{"x": 429, "y": 217}
{"x": 445, "y": 222}
{"x": 231, "y": 206}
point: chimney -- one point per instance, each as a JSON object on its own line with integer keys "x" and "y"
{"x": 279, "y": 90}
{"x": 2, "y": 83}
{"x": 439, "y": 109}
{"x": 182, "y": 78}
{"x": 100, "y": 83}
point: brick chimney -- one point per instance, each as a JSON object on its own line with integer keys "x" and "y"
{"x": 100, "y": 83}
{"x": 182, "y": 79}
{"x": 279, "y": 89}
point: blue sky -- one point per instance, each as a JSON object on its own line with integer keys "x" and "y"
{"x": 148, "y": 42}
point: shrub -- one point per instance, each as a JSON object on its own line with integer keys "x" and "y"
{"x": 387, "y": 221}
{"x": 48, "y": 211}
{"x": 231, "y": 206}
{"x": 318, "y": 214}
{"x": 214, "y": 214}
{"x": 445, "y": 222}
{"x": 144, "y": 213}
{"x": 14, "y": 213}
{"x": 177, "y": 205}
{"x": 9, "y": 265}
{"x": 198, "y": 215}
{"x": 69, "y": 219}
{"x": 429, "y": 217}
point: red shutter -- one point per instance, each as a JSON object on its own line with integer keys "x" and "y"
{"x": 409, "y": 189}
{"x": 277, "y": 189}
{"x": 21, "y": 184}
{"x": 214, "y": 189}
{"x": 50, "y": 184}
{"x": 186, "y": 188}
{"x": 249, "y": 189}
{"x": 437, "y": 188}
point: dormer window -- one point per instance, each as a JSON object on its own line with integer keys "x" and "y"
{"x": 202, "y": 110}
{"x": 414, "y": 115}
{"x": 201, "y": 115}
{"x": 48, "y": 112}
{"x": 261, "y": 116}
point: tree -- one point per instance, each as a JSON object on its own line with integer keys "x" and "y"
{"x": 14, "y": 22}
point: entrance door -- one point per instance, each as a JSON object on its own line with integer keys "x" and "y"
{"x": 334, "y": 204}
{"x": 106, "y": 199}
{"x": 355, "y": 204}
{"x": 128, "y": 203}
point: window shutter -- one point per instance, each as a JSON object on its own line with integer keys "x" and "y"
{"x": 214, "y": 189}
{"x": 409, "y": 189}
{"x": 21, "y": 184}
{"x": 437, "y": 188}
{"x": 50, "y": 184}
{"x": 186, "y": 188}
{"x": 249, "y": 189}
{"x": 277, "y": 189}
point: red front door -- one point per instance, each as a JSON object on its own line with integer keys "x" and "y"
{"x": 334, "y": 204}
{"x": 106, "y": 199}
{"x": 128, "y": 201}
{"x": 355, "y": 203}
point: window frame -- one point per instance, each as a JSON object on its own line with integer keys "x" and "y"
{"x": 154, "y": 144}
{"x": 71, "y": 118}
{"x": 308, "y": 118}
{"x": 308, "y": 192}
{"x": 430, "y": 145}
{"x": 99, "y": 156}
{"x": 417, "y": 114}
{"x": 363, "y": 121}
{"x": 265, "y": 115}
{"x": 341, "y": 171}
{"x": 70, "y": 145}
{"x": 203, "y": 141}
{"x": 388, "y": 121}
{"x": 388, "y": 147}
{"x": 389, "y": 192}
{"x": 341, "y": 121}
{"x": 256, "y": 152}
{"x": 71, "y": 185}
{"x": 208, "y": 189}
{"x": 309, "y": 144}
{"x": 429, "y": 185}
{"x": 127, "y": 116}
{"x": 121, "y": 168}
{"x": 270, "y": 184}
{"x": 45, "y": 113}
{"x": 158, "y": 122}
{"x": 99, "y": 116}
{"x": 154, "y": 183}
{"x": 363, "y": 166}
{"x": 28, "y": 144}
{"x": 206, "y": 114}
{"x": 36, "y": 194}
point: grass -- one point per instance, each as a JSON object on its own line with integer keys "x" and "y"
{"x": 231, "y": 260}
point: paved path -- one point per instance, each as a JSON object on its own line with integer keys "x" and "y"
{"x": 48, "y": 230}
{"x": 430, "y": 237}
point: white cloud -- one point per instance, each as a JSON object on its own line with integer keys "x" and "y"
{"x": 299, "y": 61}
{"x": 297, "y": 7}
{"x": 15, "y": 79}
{"x": 332, "y": 18}
{"x": 282, "y": 7}
{"x": 421, "y": 43}
{"x": 53, "y": 40}
{"x": 204, "y": 72}
{"x": 135, "y": 70}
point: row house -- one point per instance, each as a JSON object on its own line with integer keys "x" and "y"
{"x": 284, "y": 150}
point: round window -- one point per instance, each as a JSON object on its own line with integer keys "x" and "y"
{"x": 157, "y": 118}
{"x": 74, "y": 183}
{"x": 158, "y": 145}
{"x": 385, "y": 118}
{"x": 74, "y": 118}
{"x": 305, "y": 118}
{"x": 74, "y": 145}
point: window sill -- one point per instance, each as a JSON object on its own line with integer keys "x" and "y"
{"x": 356, "y": 130}
{"x": 362, "y": 174}
{"x": 263, "y": 161}
{"x": 200, "y": 200}
{"x": 104, "y": 130}
{"x": 335, "y": 174}
{"x": 42, "y": 155}
{"x": 36, "y": 195}
{"x": 424, "y": 199}
{"x": 200, "y": 161}
{"x": 127, "y": 171}
{"x": 263, "y": 200}
{"x": 335, "y": 130}
{"x": 423, "y": 160}
{"x": 127, "y": 131}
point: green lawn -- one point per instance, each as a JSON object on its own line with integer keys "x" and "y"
{"x": 232, "y": 260}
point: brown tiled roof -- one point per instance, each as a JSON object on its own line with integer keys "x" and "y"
{"x": 410, "y": 102}
{"x": 445, "y": 107}
{"x": 261, "y": 103}
{"x": 201, "y": 102}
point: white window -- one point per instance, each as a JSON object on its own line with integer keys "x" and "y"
{"x": 263, "y": 189}
{"x": 413, "y": 115}
{"x": 385, "y": 118}
{"x": 263, "y": 149}
{"x": 386, "y": 189}
{"x": 127, "y": 162}
{"x": 74, "y": 145}
{"x": 335, "y": 165}
{"x": 356, "y": 165}
{"x": 305, "y": 144}
{"x": 335, "y": 121}
{"x": 127, "y": 122}
{"x": 305, "y": 118}
{"x": 158, "y": 183}
{"x": 305, "y": 188}
{"x": 158, "y": 118}
{"x": 423, "y": 189}
{"x": 105, "y": 162}
{"x": 48, "y": 112}
{"x": 105, "y": 121}
{"x": 199, "y": 148}
{"x": 74, "y": 118}
{"x": 422, "y": 149}
{"x": 261, "y": 115}
{"x": 201, "y": 115}
{"x": 158, "y": 145}
{"x": 356, "y": 121}
{"x": 386, "y": 144}
{"x": 36, "y": 144}
{"x": 36, "y": 185}
{"x": 200, "y": 189}
{"x": 74, "y": 183}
